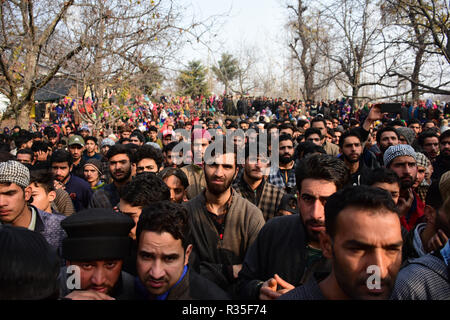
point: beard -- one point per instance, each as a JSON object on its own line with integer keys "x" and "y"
{"x": 351, "y": 159}
{"x": 218, "y": 189}
{"x": 407, "y": 182}
{"x": 313, "y": 235}
{"x": 356, "y": 288}
{"x": 121, "y": 175}
{"x": 286, "y": 158}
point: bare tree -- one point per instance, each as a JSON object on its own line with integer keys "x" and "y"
{"x": 27, "y": 28}
{"x": 307, "y": 44}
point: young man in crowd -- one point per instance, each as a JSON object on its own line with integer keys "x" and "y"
{"x": 93, "y": 174}
{"x": 362, "y": 231}
{"x": 90, "y": 151}
{"x": 283, "y": 176}
{"x": 97, "y": 242}
{"x": 76, "y": 149}
{"x": 148, "y": 159}
{"x": 164, "y": 248}
{"x": 224, "y": 224}
{"x": 120, "y": 160}
{"x": 177, "y": 182}
{"x": 15, "y": 193}
{"x": 78, "y": 189}
{"x": 273, "y": 264}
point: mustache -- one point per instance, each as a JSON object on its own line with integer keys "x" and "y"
{"x": 315, "y": 223}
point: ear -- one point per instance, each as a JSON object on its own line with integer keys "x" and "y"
{"x": 27, "y": 193}
{"x": 430, "y": 214}
{"x": 187, "y": 254}
{"x": 51, "y": 196}
{"x": 326, "y": 245}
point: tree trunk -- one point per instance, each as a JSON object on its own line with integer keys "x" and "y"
{"x": 23, "y": 116}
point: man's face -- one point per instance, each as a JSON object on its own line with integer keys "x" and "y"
{"x": 352, "y": 149}
{"x": 255, "y": 167}
{"x": 177, "y": 190}
{"x": 13, "y": 202}
{"x": 420, "y": 176}
{"x": 100, "y": 275}
{"x": 104, "y": 150}
{"x": 126, "y": 134}
{"x": 153, "y": 136}
{"x": 53, "y": 140}
{"x": 24, "y": 158}
{"x": 169, "y": 161}
{"x": 220, "y": 174}
{"x": 431, "y": 147}
{"x": 76, "y": 151}
{"x": 321, "y": 126}
{"x": 428, "y": 125}
{"x": 160, "y": 261}
{"x": 61, "y": 171}
{"x": 91, "y": 174}
{"x": 329, "y": 124}
{"x": 146, "y": 165}
{"x": 363, "y": 239}
{"x": 337, "y": 137}
{"x": 289, "y": 132}
{"x": 41, "y": 199}
{"x": 406, "y": 169}
{"x": 392, "y": 188}
{"x": 311, "y": 203}
{"x": 136, "y": 141}
{"x": 445, "y": 147}
{"x": 167, "y": 139}
{"x": 416, "y": 127}
{"x": 90, "y": 146}
{"x": 120, "y": 167}
{"x": 133, "y": 211}
{"x": 244, "y": 126}
{"x": 198, "y": 149}
{"x": 314, "y": 138}
{"x": 387, "y": 139}
{"x": 286, "y": 148}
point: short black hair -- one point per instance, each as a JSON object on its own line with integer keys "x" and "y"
{"x": 29, "y": 266}
{"x": 39, "y": 146}
{"x": 145, "y": 189}
{"x": 380, "y": 175}
{"x": 166, "y": 216}
{"x": 307, "y": 147}
{"x": 26, "y": 151}
{"x": 311, "y": 131}
{"x": 150, "y": 152}
{"x": 138, "y": 135}
{"x": 322, "y": 167}
{"x": 444, "y": 135}
{"x": 61, "y": 156}
{"x": 177, "y": 172}
{"x": 383, "y": 130}
{"x": 346, "y": 134}
{"x": 43, "y": 178}
{"x": 169, "y": 147}
{"x": 119, "y": 149}
{"x": 364, "y": 197}
{"x": 426, "y": 134}
{"x": 91, "y": 138}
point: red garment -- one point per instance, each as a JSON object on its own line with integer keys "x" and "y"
{"x": 415, "y": 216}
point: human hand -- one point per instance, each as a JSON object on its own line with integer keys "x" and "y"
{"x": 437, "y": 242}
{"x": 236, "y": 269}
{"x": 88, "y": 295}
{"x": 269, "y": 290}
{"x": 404, "y": 204}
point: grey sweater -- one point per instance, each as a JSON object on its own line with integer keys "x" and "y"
{"x": 212, "y": 256}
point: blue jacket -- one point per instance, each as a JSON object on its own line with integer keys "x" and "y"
{"x": 49, "y": 225}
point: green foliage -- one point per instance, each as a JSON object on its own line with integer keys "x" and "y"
{"x": 192, "y": 80}
{"x": 228, "y": 69}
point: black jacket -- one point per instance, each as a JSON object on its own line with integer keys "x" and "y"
{"x": 281, "y": 248}
{"x": 440, "y": 166}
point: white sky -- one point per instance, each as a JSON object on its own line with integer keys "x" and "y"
{"x": 254, "y": 23}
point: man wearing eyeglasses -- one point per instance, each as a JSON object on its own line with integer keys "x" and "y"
{"x": 287, "y": 251}
{"x": 253, "y": 184}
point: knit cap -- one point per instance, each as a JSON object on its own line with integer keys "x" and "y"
{"x": 408, "y": 133}
{"x": 14, "y": 172}
{"x": 95, "y": 163}
{"x": 398, "y": 151}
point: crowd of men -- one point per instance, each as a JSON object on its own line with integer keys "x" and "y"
{"x": 315, "y": 208}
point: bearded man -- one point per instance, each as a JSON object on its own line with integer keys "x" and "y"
{"x": 224, "y": 224}
{"x": 283, "y": 175}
